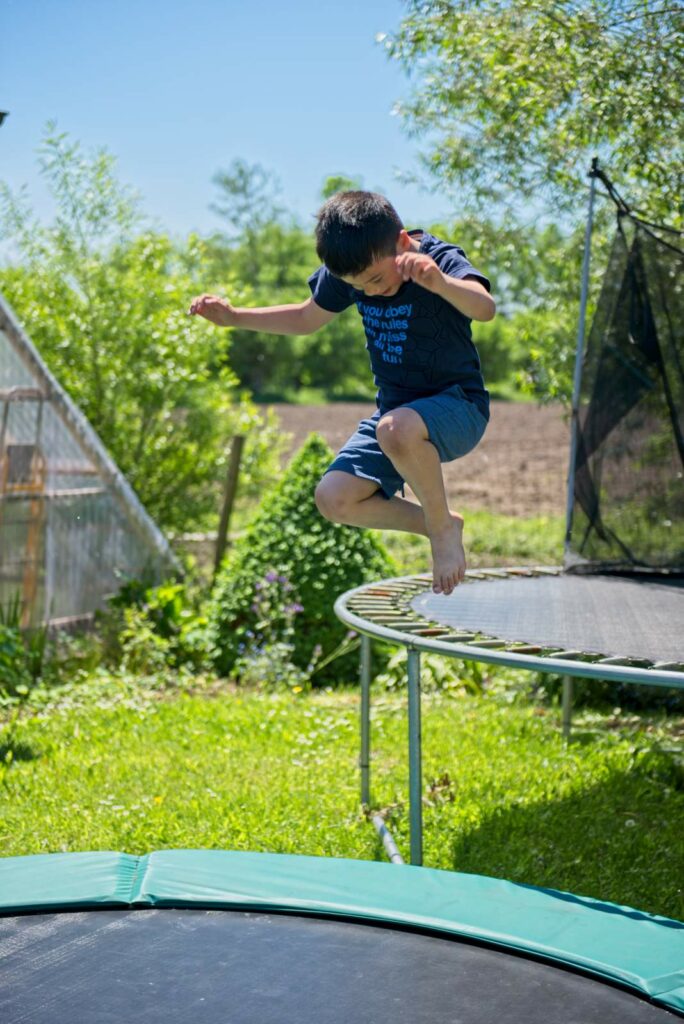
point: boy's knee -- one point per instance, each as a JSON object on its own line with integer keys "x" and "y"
{"x": 399, "y": 431}
{"x": 330, "y": 500}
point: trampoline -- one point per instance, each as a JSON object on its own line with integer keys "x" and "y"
{"x": 248, "y": 938}
{"x": 538, "y": 619}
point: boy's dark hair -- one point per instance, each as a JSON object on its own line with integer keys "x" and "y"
{"x": 355, "y": 229}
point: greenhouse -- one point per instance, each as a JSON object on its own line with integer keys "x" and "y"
{"x": 71, "y": 528}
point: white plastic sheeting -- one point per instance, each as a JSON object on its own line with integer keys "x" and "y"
{"x": 71, "y": 528}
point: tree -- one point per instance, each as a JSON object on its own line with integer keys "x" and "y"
{"x": 248, "y": 197}
{"x": 269, "y": 256}
{"x": 535, "y": 273}
{"x": 105, "y": 302}
{"x": 339, "y": 183}
{"x": 515, "y": 97}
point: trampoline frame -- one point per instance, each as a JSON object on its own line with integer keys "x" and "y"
{"x": 382, "y": 611}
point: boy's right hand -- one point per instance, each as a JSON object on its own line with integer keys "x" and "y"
{"x": 212, "y": 307}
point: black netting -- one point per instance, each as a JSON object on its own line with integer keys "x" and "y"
{"x": 628, "y": 502}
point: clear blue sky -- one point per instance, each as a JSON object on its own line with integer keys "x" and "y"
{"x": 176, "y": 90}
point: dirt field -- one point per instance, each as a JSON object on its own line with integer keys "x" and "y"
{"x": 519, "y": 467}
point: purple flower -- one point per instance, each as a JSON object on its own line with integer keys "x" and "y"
{"x": 271, "y": 577}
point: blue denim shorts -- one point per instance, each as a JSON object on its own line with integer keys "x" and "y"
{"x": 454, "y": 424}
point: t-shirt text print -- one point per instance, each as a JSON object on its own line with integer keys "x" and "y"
{"x": 385, "y": 328}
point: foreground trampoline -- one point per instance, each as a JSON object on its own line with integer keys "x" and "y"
{"x": 213, "y": 936}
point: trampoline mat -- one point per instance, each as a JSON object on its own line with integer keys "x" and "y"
{"x": 597, "y": 614}
{"x": 162, "y": 966}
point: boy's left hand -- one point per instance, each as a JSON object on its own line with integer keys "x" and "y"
{"x": 416, "y": 266}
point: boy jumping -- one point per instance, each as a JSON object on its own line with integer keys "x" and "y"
{"x": 416, "y": 296}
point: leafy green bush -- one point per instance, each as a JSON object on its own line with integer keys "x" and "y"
{"x": 146, "y": 628}
{"x": 318, "y": 559}
{"x": 604, "y": 693}
{"x": 437, "y": 673}
{"x": 23, "y": 652}
{"x": 15, "y": 677}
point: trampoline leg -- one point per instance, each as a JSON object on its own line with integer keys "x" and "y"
{"x": 415, "y": 773}
{"x": 567, "y": 706}
{"x": 364, "y": 760}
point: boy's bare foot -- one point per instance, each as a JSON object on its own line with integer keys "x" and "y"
{"x": 448, "y": 556}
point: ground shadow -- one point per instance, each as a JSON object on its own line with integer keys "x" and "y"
{"x": 17, "y": 751}
{"x": 619, "y": 840}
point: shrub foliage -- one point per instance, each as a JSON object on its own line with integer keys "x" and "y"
{"x": 319, "y": 559}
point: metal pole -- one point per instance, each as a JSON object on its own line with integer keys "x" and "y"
{"x": 391, "y": 848}
{"x": 415, "y": 771}
{"x": 579, "y": 357}
{"x": 567, "y": 706}
{"x": 364, "y": 760}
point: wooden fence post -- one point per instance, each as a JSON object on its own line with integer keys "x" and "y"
{"x": 229, "y": 492}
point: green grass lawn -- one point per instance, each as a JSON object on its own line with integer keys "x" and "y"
{"x": 121, "y": 764}
{"x": 116, "y": 767}
{"x": 490, "y": 540}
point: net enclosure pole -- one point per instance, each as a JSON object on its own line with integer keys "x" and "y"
{"x": 364, "y": 760}
{"x": 415, "y": 770}
{"x": 579, "y": 356}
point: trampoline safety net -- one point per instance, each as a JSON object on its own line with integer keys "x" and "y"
{"x": 628, "y": 500}
{"x": 71, "y": 528}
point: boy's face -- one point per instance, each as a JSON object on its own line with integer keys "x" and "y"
{"x": 382, "y": 276}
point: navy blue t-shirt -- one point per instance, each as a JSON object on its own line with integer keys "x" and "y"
{"x": 418, "y": 343}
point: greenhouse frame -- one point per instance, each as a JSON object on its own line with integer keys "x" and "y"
{"x": 72, "y": 530}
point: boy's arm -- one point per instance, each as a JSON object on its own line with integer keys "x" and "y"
{"x": 298, "y": 318}
{"x": 468, "y": 295}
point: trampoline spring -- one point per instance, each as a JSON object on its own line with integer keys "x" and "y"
{"x": 573, "y": 655}
{"x": 385, "y": 618}
{"x": 370, "y": 609}
{"x": 365, "y": 602}
{"x": 489, "y": 644}
{"x": 615, "y": 660}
